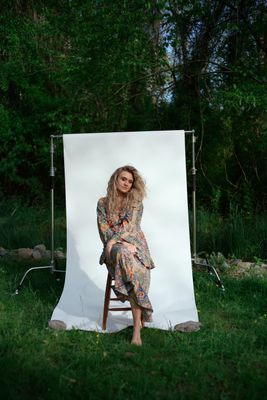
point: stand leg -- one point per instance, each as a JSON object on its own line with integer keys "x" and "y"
{"x": 19, "y": 287}
{"x": 106, "y": 302}
{"x": 212, "y": 271}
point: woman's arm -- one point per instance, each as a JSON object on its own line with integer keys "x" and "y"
{"x": 106, "y": 233}
{"x": 132, "y": 229}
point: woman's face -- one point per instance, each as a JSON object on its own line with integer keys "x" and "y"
{"x": 124, "y": 182}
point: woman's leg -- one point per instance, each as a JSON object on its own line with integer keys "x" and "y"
{"x": 136, "y": 311}
{"x": 132, "y": 280}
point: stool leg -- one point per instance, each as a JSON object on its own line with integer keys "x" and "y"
{"x": 106, "y": 303}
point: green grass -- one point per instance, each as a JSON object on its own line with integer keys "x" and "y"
{"x": 226, "y": 359}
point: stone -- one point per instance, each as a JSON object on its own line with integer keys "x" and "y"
{"x": 245, "y": 264}
{"x": 24, "y": 253}
{"x": 41, "y": 248}
{"x": 3, "y": 252}
{"x": 188, "y": 326}
{"x": 59, "y": 254}
{"x": 57, "y": 324}
{"x": 48, "y": 254}
{"x": 234, "y": 261}
{"x": 36, "y": 254}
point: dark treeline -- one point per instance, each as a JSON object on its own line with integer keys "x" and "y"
{"x": 100, "y": 65}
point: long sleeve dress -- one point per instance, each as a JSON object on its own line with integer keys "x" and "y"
{"x": 130, "y": 271}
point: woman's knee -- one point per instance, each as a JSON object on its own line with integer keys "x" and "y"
{"x": 123, "y": 252}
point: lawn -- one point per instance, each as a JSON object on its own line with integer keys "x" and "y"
{"x": 226, "y": 359}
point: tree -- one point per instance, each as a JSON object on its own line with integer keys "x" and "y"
{"x": 217, "y": 66}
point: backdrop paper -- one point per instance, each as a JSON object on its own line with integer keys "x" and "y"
{"x": 90, "y": 159}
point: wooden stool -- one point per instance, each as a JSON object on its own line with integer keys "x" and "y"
{"x": 107, "y": 300}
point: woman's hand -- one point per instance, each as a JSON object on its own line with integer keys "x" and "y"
{"x": 130, "y": 247}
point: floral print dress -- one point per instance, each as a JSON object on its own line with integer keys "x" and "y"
{"x": 130, "y": 271}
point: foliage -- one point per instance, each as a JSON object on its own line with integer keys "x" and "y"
{"x": 218, "y": 261}
{"x": 99, "y": 66}
{"x": 238, "y": 235}
{"x": 76, "y": 67}
{"x": 220, "y": 62}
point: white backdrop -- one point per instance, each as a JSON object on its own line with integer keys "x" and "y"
{"x": 90, "y": 159}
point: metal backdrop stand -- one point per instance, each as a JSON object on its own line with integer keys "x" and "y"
{"x": 212, "y": 271}
{"x": 53, "y": 261}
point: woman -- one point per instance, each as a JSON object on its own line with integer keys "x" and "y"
{"x": 125, "y": 252}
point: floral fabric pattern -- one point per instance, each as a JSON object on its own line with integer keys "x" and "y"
{"x": 131, "y": 271}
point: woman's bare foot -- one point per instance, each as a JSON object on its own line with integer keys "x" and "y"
{"x": 136, "y": 343}
{"x": 136, "y": 339}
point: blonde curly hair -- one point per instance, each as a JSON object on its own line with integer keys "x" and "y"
{"x": 136, "y": 193}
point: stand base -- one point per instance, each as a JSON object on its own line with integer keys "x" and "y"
{"x": 212, "y": 271}
{"x": 51, "y": 267}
